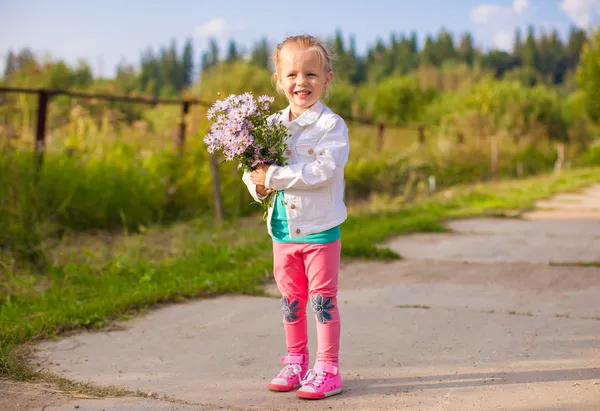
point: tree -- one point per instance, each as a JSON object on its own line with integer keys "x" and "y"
{"x": 260, "y": 54}
{"x": 445, "y": 47}
{"x": 187, "y": 64}
{"x": 358, "y": 65}
{"x": 500, "y": 61}
{"x": 466, "y": 51}
{"x": 518, "y": 44}
{"x": 588, "y": 76}
{"x": 10, "y": 64}
{"x": 210, "y": 58}
{"x": 343, "y": 60}
{"x": 150, "y": 72}
{"x": 558, "y": 64}
{"x": 232, "y": 52}
{"x": 530, "y": 55}
{"x": 429, "y": 55}
{"x": 399, "y": 100}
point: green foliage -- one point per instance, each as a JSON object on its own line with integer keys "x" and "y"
{"x": 261, "y": 55}
{"x": 399, "y": 100}
{"x": 341, "y": 97}
{"x": 589, "y": 77}
{"x": 527, "y": 76}
{"x": 237, "y": 78}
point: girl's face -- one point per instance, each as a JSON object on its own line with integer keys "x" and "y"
{"x": 302, "y": 77}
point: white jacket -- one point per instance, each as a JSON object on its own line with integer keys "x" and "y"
{"x": 313, "y": 176}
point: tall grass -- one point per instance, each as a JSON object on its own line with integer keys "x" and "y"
{"x": 128, "y": 177}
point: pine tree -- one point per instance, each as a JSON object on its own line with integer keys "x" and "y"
{"x": 260, "y": 54}
{"x": 518, "y": 44}
{"x": 187, "y": 64}
{"x": 429, "y": 55}
{"x": 414, "y": 45}
{"x": 210, "y": 58}
{"x": 232, "y": 52}
{"x": 358, "y": 67}
{"x": 11, "y": 64}
{"x": 150, "y": 72}
{"x": 577, "y": 38}
{"x": 466, "y": 50}
{"x": 530, "y": 55}
{"x": 444, "y": 47}
{"x": 544, "y": 57}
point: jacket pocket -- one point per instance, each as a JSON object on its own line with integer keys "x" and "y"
{"x": 306, "y": 149}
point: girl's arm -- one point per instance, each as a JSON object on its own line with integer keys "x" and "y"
{"x": 332, "y": 154}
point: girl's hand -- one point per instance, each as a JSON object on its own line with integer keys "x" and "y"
{"x": 259, "y": 175}
{"x": 263, "y": 191}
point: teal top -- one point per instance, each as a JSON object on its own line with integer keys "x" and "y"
{"x": 281, "y": 232}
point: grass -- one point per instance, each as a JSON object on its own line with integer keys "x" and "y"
{"x": 94, "y": 279}
{"x": 576, "y": 264}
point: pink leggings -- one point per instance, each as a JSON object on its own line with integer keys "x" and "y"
{"x": 304, "y": 271}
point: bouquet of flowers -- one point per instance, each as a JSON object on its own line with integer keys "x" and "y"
{"x": 243, "y": 132}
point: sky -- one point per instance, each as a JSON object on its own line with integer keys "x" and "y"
{"x": 107, "y": 32}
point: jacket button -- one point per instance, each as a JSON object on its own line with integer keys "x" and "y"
{"x": 310, "y": 151}
{"x": 293, "y": 206}
{"x": 297, "y": 231}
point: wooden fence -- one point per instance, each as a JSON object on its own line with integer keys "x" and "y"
{"x": 44, "y": 96}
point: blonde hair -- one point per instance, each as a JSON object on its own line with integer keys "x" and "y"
{"x": 307, "y": 42}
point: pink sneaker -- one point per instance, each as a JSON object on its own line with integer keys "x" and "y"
{"x": 322, "y": 381}
{"x": 291, "y": 375}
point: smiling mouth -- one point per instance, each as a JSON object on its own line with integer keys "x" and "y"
{"x": 302, "y": 93}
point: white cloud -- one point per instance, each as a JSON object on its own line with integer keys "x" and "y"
{"x": 503, "y": 40}
{"x": 520, "y": 5}
{"x": 213, "y": 28}
{"x": 484, "y": 13}
{"x": 502, "y": 20}
{"x": 581, "y": 12}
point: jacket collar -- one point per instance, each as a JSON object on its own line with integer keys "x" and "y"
{"x": 308, "y": 117}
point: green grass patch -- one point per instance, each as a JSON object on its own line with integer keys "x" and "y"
{"x": 576, "y": 264}
{"x": 94, "y": 280}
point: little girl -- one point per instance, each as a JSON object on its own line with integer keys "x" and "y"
{"x": 305, "y": 218}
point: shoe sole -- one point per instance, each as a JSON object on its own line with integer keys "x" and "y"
{"x": 283, "y": 388}
{"x": 317, "y": 395}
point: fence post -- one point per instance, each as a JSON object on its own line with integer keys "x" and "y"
{"x": 380, "y": 134}
{"x": 40, "y": 132}
{"x": 494, "y": 156}
{"x": 216, "y": 180}
{"x": 421, "y": 137}
{"x": 185, "y": 109}
{"x": 560, "y": 156}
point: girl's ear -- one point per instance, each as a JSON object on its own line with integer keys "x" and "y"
{"x": 328, "y": 79}
{"x": 276, "y": 77}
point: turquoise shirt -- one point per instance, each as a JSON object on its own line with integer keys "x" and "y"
{"x": 281, "y": 232}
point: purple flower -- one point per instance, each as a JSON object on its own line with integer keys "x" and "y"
{"x": 241, "y": 129}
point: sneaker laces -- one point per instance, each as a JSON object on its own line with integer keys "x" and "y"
{"x": 289, "y": 370}
{"x": 313, "y": 377}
